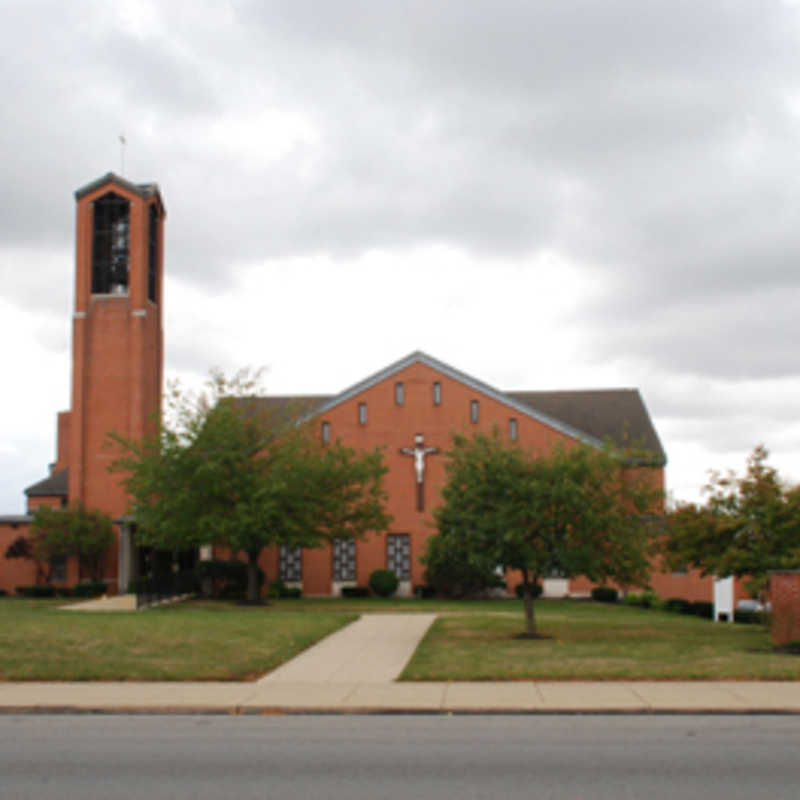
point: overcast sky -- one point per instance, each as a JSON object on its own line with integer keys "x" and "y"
{"x": 574, "y": 194}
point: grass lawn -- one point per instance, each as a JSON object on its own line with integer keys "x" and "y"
{"x": 595, "y": 641}
{"x": 212, "y": 641}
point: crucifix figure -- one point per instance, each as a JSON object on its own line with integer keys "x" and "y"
{"x": 419, "y": 451}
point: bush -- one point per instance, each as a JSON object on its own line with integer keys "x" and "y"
{"x": 383, "y": 582}
{"x": 537, "y": 590}
{"x": 36, "y": 591}
{"x": 454, "y": 571}
{"x": 424, "y": 591}
{"x": 605, "y": 594}
{"x": 677, "y": 605}
{"x": 3, "y": 592}
{"x": 646, "y": 599}
{"x": 89, "y": 589}
{"x": 355, "y": 591}
{"x": 749, "y": 617}
{"x": 227, "y": 578}
{"x": 278, "y": 588}
{"x": 701, "y": 609}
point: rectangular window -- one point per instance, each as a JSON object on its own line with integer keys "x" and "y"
{"x": 474, "y": 411}
{"x": 326, "y": 432}
{"x": 58, "y": 569}
{"x": 344, "y": 560}
{"x": 437, "y": 393}
{"x": 110, "y": 235}
{"x": 291, "y": 564}
{"x": 398, "y": 555}
{"x": 152, "y": 253}
{"x": 512, "y": 429}
{"x": 362, "y": 413}
{"x": 399, "y": 394}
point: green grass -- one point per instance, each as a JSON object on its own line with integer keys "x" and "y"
{"x": 474, "y": 640}
{"x": 594, "y": 641}
{"x": 214, "y": 641}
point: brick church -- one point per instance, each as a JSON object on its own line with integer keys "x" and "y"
{"x": 410, "y": 408}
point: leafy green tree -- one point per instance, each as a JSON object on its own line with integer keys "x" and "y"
{"x": 225, "y": 468}
{"x": 578, "y": 511}
{"x": 454, "y": 569}
{"x": 73, "y": 531}
{"x": 747, "y": 526}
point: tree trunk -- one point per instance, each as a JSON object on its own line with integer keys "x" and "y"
{"x": 253, "y": 594}
{"x": 527, "y": 596}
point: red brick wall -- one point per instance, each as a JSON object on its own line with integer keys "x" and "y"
{"x": 784, "y": 597}
{"x": 117, "y": 365}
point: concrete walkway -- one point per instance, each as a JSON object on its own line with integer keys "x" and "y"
{"x": 118, "y": 602}
{"x": 354, "y": 670}
{"x": 373, "y": 649}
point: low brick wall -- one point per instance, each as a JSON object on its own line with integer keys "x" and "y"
{"x": 784, "y": 597}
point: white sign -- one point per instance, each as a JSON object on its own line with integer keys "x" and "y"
{"x": 723, "y": 598}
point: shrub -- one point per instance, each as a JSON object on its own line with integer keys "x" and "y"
{"x": 278, "y": 588}
{"x": 677, "y": 605}
{"x": 605, "y": 594}
{"x": 537, "y": 590}
{"x": 748, "y": 617}
{"x": 3, "y": 592}
{"x": 383, "y": 582}
{"x": 355, "y": 591}
{"x": 227, "y": 578}
{"x": 89, "y": 589}
{"x": 453, "y": 570}
{"x": 702, "y": 609}
{"x": 36, "y": 591}
{"x": 423, "y": 591}
{"x": 646, "y": 599}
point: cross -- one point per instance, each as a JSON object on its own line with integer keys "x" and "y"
{"x": 419, "y": 451}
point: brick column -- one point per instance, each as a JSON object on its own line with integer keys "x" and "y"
{"x": 784, "y": 598}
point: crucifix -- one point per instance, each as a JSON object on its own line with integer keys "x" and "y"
{"x": 419, "y": 451}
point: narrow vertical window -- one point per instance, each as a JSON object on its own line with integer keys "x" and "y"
{"x": 474, "y": 411}
{"x": 399, "y": 393}
{"x": 512, "y": 429}
{"x": 362, "y": 413}
{"x": 110, "y": 239}
{"x": 326, "y": 432}
{"x": 152, "y": 253}
{"x": 290, "y": 564}
{"x": 398, "y": 555}
{"x": 344, "y": 560}
{"x": 437, "y": 393}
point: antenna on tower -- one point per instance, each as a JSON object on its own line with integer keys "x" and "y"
{"x": 122, "y": 144}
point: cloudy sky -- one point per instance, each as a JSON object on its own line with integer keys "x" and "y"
{"x": 573, "y": 194}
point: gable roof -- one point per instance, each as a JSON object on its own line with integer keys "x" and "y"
{"x": 54, "y": 485}
{"x": 591, "y": 416}
{"x": 143, "y": 190}
{"x": 616, "y": 414}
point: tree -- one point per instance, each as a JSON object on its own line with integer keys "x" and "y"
{"x": 746, "y": 527}
{"x": 578, "y": 511}
{"x": 225, "y": 468}
{"x": 73, "y": 531}
{"x": 454, "y": 569}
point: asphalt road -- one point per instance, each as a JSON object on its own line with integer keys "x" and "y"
{"x": 354, "y": 757}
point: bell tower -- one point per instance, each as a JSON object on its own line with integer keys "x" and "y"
{"x": 117, "y": 337}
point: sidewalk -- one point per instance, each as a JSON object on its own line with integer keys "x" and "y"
{"x": 355, "y": 669}
{"x": 364, "y": 697}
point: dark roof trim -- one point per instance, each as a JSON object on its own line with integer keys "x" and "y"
{"x": 55, "y": 485}
{"x": 143, "y": 190}
{"x": 479, "y": 386}
{"x": 15, "y": 519}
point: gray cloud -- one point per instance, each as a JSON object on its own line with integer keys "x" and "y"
{"x": 652, "y": 144}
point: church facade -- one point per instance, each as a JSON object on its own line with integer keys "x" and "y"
{"x": 410, "y": 409}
